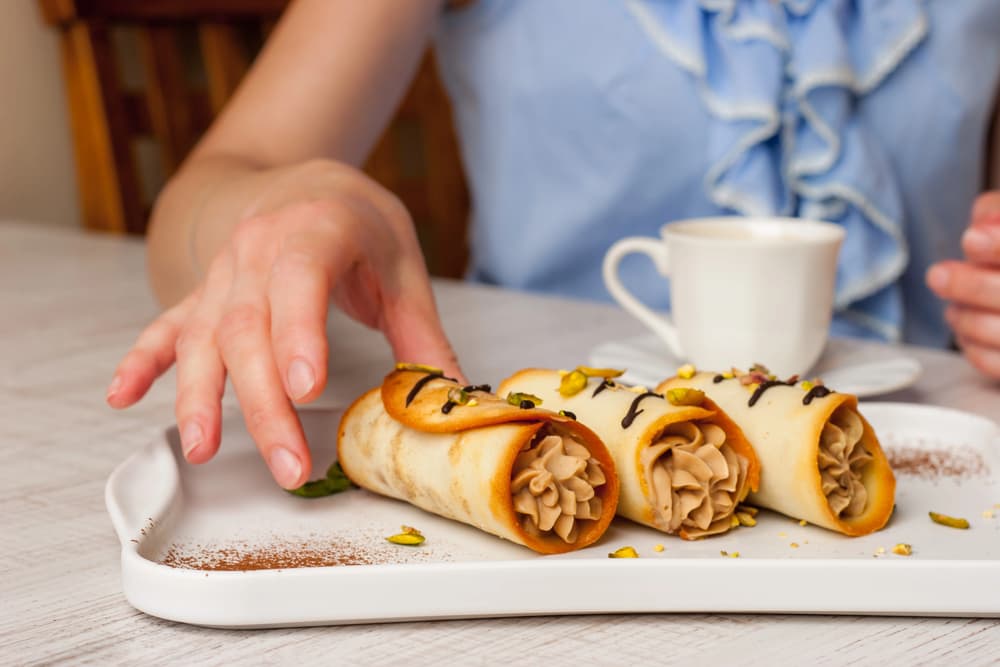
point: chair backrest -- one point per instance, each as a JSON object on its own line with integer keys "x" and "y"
{"x": 145, "y": 78}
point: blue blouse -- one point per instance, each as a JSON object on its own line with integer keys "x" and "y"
{"x": 583, "y": 121}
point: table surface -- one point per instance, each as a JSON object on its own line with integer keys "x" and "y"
{"x": 72, "y": 304}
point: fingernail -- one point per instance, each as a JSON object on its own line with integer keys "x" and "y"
{"x": 938, "y": 278}
{"x": 191, "y": 438}
{"x": 285, "y": 467}
{"x": 301, "y": 378}
{"x": 116, "y": 384}
{"x": 978, "y": 241}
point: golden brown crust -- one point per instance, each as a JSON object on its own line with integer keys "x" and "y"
{"x": 877, "y": 476}
{"x": 424, "y": 414}
{"x": 424, "y": 411}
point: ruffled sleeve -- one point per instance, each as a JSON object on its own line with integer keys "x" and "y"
{"x": 783, "y": 82}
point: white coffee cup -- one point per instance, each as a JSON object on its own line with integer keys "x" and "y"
{"x": 742, "y": 290}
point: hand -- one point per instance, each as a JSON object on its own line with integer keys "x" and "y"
{"x": 973, "y": 287}
{"x": 260, "y": 315}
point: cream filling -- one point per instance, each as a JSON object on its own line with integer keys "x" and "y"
{"x": 693, "y": 477}
{"x": 553, "y": 483}
{"x": 842, "y": 457}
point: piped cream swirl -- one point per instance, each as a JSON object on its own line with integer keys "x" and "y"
{"x": 553, "y": 483}
{"x": 842, "y": 458}
{"x": 693, "y": 476}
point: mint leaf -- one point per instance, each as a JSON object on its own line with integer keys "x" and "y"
{"x": 334, "y": 482}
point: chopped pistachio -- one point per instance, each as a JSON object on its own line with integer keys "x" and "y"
{"x": 406, "y": 539}
{"x": 606, "y": 373}
{"x": 735, "y": 554}
{"x": 902, "y": 549}
{"x": 686, "y": 372}
{"x": 420, "y": 368}
{"x": 748, "y": 509}
{"x": 987, "y": 514}
{"x": 624, "y": 552}
{"x": 733, "y": 521}
{"x": 728, "y": 375}
{"x": 795, "y": 545}
{"x": 472, "y": 403}
{"x": 685, "y": 396}
{"x": 409, "y": 530}
{"x": 658, "y": 548}
{"x": 723, "y": 552}
{"x": 458, "y": 396}
{"x": 950, "y": 521}
{"x": 519, "y": 399}
{"x": 572, "y": 383}
{"x": 746, "y": 520}
{"x": 807, "y": 385}
{"x": 782, "y": 534}
{"x": 880, "y": 551}
{"x": 803, "y": 522}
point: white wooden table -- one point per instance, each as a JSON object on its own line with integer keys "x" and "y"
{"x": 71, "y": 304}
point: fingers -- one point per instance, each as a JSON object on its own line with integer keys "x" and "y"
{"x": 966, "y": 284}
{"x": 149, "y": 358}
{"x": 414, "y": 331}
{"x": 986, "y": 210}
{"x": 243, "y": 337}
{"x": 981, "y": 244}
{"x": 985, "y": 358}
{"x": 201, "y": 376}
{"x": 299, "y": 293}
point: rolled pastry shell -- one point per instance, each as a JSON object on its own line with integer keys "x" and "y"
{"x": 786, "y": 435}
{"x": 458, "y": 465}
{"x": 603, "y": 413}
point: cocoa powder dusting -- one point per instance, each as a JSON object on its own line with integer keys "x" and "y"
{"x": 285, "y": 555}
{"x": 916, "y": 459}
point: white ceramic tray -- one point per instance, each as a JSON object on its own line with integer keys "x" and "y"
{"x": 229, "y": 511}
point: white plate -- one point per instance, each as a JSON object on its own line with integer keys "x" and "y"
{"x": 230, "y": 508}
{"x": 861, "y": 368}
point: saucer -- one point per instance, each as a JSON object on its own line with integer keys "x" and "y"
{"x": 862, "y": 368}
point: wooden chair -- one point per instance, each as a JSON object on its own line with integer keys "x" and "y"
{"x": 145, "y": 78}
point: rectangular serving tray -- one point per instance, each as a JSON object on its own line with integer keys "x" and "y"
{"x": 177, "y": 521}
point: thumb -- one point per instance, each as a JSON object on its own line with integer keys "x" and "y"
{"x": 414, "y": 331}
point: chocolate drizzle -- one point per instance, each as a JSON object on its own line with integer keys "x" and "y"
{"x": 601, "y": 387}
{"x": 567, "y": 413}
{"x": 526, "y": 405}
{"x": 446, "y": 408}
{"x": 764, "y": 386}
{"x": 634, "y": 411}
{"x": 717, "y": 379}
{"x": 819, "y": 391}
{"x": 420, "y": 385}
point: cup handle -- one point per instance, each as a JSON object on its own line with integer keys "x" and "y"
{"x": 655, "y": 249}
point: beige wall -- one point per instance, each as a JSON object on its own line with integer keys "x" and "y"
{"x": 37, "y": 178}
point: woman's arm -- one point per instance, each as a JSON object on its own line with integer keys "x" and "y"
{"x": 270, "y": 221}
{"x": 323, "y": 89}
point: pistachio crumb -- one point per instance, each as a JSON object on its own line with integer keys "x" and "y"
{"x": 624, "y": 552}
{"x": 683, "y": 396}
{"x": 472, "y": 403}
{"x": 749, "y": 509}
{"x": 880, "y": 551}
{"x": 902, "y": 549}
{"x": 723, "y": 552}
{"x": 746, "y": 520}
{"x": 734, "y": 521}
{"x": 658, "y": 548}
{"x": 950, "y": 521}
{"x": 987, "y": 514}
{"x": 728, "y": 375}
{"x": 686, "y": 372}
{"x": 807, "y": 385}
{"x": 795, "y": 545}
{"x": 782, "y": 534}
{"x": 735, "y": 554}
{"x": 803, "y": 522}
